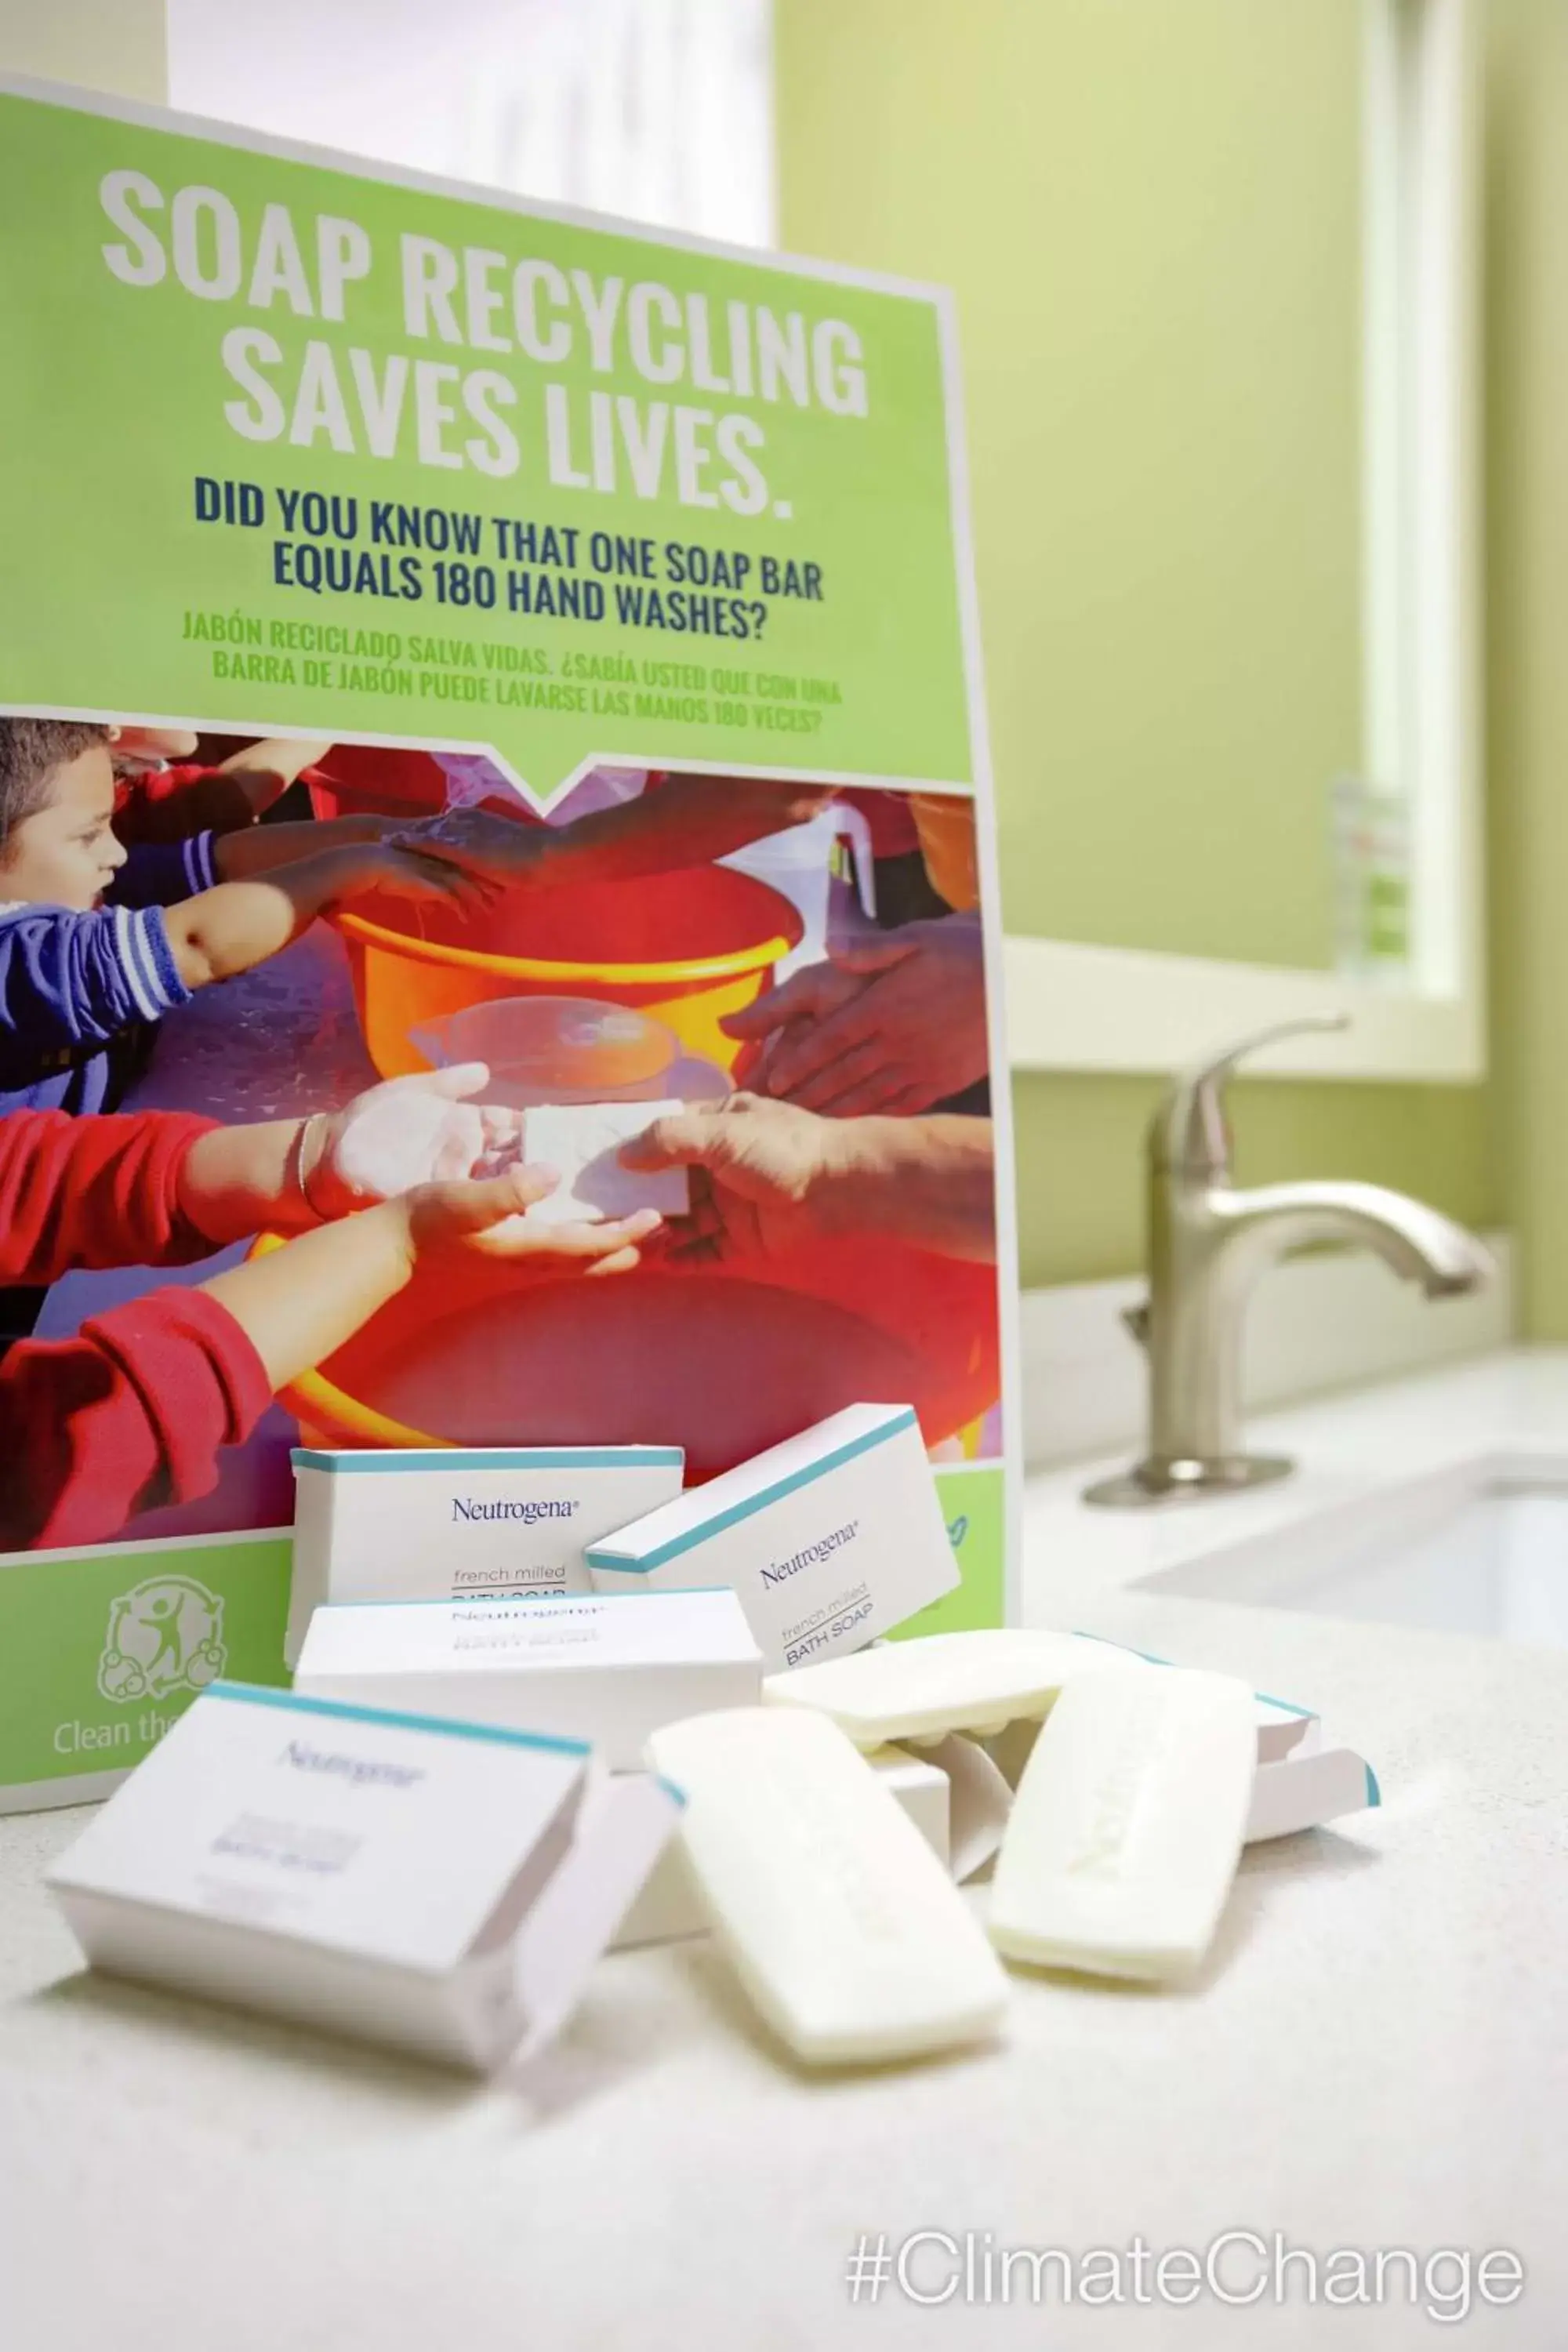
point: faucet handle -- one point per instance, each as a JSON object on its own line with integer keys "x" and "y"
{"x": 1189, "y": 1129}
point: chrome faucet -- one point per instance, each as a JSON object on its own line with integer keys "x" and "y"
{"x": 1208, "y": 1243}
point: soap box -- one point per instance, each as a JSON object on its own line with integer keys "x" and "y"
{"x": 442, "y": 1887}
{"x": 437, "y": 1523}
{"x": 828, "y": 1539}
{"x": 1313, "y": 1785}
{"x": 609, "y": 1669}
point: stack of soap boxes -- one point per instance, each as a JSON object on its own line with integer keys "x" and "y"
{"x": 437, "y": 1522}
{"x": 827, "y": 1541}
{"x": 430, "y": 1838}
{"x": 578, "y": 1592}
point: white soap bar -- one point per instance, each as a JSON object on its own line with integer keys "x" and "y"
{"x": 1284, "y": 1730}
{"x": 843, "y": 1927}
{"x": 581, "y": 1141}
{"x": 1283, "y": 1727}
{"x": 1299, "y": 1783}
{"x": 1128, "y": 1823}
{"x": 923, "y": 1689}
{"x": 603, "y": 1668}
{"x": 951, "y": 1791}
{"x": 669, "y": 1906}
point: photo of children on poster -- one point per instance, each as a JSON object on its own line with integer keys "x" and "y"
{"x": 347, "y": 1100}
{"x": 500, "y": 938}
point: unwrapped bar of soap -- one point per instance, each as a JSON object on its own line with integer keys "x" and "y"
{"x": 1128, "y": 1824}
{"x": 841, "y": 1923}
{"x": 582, "y": 1141}
{"x": 921, "y": 1689}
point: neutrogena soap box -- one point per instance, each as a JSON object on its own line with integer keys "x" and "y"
{"x": 607, "y": 1669}
{"x": 828, "y": 1539}
{"x": 449, "y": 1523}
{"x": 442, "y": 1886}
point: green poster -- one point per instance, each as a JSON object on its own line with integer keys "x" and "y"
{"x": 308, "y": 447}
{"x": 596, "y": 605}
{"x": 105, "y": 1649}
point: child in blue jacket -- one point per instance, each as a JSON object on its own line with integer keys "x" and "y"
{"x": 96, "y": 941}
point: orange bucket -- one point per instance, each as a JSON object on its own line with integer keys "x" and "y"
{"x": 375, "y": 779}
{"x": 946, "y": 828}
{"x": 723, "y": 1361}
{"x": 686, "y": 948}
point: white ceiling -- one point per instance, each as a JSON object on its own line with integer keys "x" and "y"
{"x": 657, "y": 109}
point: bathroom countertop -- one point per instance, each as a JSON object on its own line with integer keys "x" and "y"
{"x": 1376, "y": 2056}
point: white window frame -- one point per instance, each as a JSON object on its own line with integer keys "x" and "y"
{"x": 1077, "y": 1007}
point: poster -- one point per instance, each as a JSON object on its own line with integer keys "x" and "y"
{"x": 342, "y": 505}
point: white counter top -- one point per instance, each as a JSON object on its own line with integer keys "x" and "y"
{"x": 1376, "y": 2056}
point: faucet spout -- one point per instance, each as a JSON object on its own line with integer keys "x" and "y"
{"x": 1419, "y": 1241}
{"x": 1208, "y": 1243}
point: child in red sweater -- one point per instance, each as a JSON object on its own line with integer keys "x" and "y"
{"x": 161, "y": 793}
{"x": 131, "y": 1412}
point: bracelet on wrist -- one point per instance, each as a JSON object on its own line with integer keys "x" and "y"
{"x": 307, "y": 1165}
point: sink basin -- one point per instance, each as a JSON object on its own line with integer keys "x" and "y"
{"x": 1479, "y": 1547}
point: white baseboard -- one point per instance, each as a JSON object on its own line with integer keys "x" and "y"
{"x": 1332, "y": 1321}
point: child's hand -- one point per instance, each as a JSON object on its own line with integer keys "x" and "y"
{"x": 406, "y": 874}
{"x": 492, "y": 848}
{"x": 488, "y": 1217}
{"x": 133, "y": 749}
{"x": 416, "y": 1131}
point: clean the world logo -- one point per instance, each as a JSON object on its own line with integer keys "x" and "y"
{"x": 164, "y": 1636}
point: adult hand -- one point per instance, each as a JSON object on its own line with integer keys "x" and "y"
{"x": 421, "y": 1130}
{"x": 760, "y": 1171}
{"x": 895, "y": 1025}
{"x": 472, "y": 841}
{"x": 688, "y": 821}
{"x": 404, "y": 873}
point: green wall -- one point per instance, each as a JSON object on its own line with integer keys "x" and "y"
{"x": 1527, "y": 627}
{"x": 902, "y": 124}
{"x": 109, "y": 45}
{"x": 1147, "y": 212}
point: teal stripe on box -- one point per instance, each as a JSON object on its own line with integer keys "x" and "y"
{"x": 1285, "y": 1705}
{"x": 493, "y": 1458}
{"x": 295, "y": 1702}
{"x": 626, "y": 1564}
{"x": 1373, "y": 1793}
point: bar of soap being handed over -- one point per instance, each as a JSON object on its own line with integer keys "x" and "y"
{"x": 580, "y": 1142}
